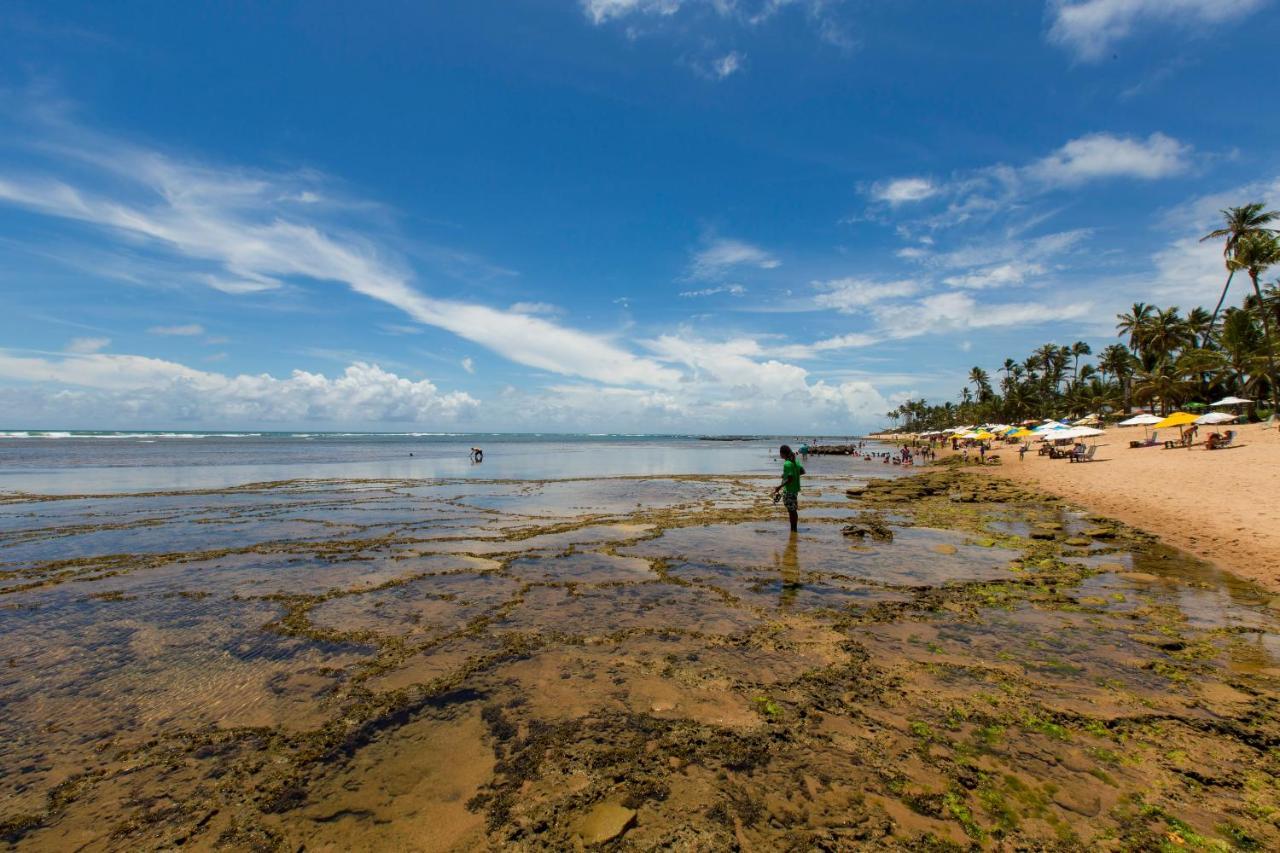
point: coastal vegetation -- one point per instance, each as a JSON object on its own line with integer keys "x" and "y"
{"x": 1165, "y": 358}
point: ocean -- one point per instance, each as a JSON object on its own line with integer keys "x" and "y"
{"x": 100, "y": 462}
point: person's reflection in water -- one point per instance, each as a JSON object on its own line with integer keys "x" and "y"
{"x": 789, "y": 563}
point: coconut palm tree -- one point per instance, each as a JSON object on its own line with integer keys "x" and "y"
{"x": 1078, "y": 349}
{"x": 1117, "y": 361}
{"x": 981, "y": 382}
{"x": 1134, "y": 324}
{"x": 1166, "y": 333}
{"x": 1255, "y": 253}
{"x": 1239, "y": 222}
{"x": 1240, "y": 355}
{"x": 1166, "y": 381}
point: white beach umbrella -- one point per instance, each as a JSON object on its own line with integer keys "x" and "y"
{"x": 1216, "y": 418}
{"x": 1143, "y": 419}
{"x": 1232, "y": 401}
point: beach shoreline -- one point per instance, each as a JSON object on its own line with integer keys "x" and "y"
{"x": 1220, "y": 506}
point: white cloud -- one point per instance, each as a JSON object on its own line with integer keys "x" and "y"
{"x": 1089, "y": 28}
{"x": 1102, "y": 155}
{"x": 723, "y": 254}
{"x": 727, "y": 65}
{"x": 234, "y": 221}
{"x": 88, "y": 345}
{"x": 600, "y": 11}
{"x": 535, "y": 308}
{"x": 1000, "y": 275}
{"x": 190, "y": 330}
{"x": 155, "y": 390}
{"x": 950, "y": 312}
{"x": 468, "y": 365}
{"x": 731, "y": 289}
{"x": 979, "y": 195}
{"x": 985, "y": 253}
{"x": 901, "y": 190}
{"x": 848, "y": 295}
{"x": 802, "y": 352}
{"x": 737, "y": 378}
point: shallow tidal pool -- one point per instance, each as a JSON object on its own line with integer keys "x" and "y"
{"x": 639, "y": 663}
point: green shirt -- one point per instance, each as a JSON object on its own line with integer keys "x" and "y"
{"x": 791, "y": 477}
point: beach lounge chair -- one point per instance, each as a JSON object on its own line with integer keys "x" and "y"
{"x": 1086, "y": 456}
{"x": 1150, "y": 442}
{"x": 1227, "y": 440}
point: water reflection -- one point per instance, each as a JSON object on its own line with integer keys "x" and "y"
{"x": 788, "y": 563}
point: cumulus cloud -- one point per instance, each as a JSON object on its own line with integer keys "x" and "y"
{"x": 722, "y": 254}
{"x": 468, "y": 365}
{"x": 1090, "y": 28}
{"x": 738, "y": 378}
{"x": 190, "y": 330}
{"x": 901, "y": 190}
{"x": 158, "y": 390}
{"x": 243, "y": 225}
{"x": 1102, "y": 155}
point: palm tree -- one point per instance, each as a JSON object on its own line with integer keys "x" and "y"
{"x": 1166, "y": 334}
{"x": 1078, "y": 349}
{"x": 1240, "y": 222}
{"x": 981, "y": 382}
{"x": 1134, "y": 324}
{"x": 1165, "y": 381}
{"x": 1255, "y": 253}
{"x": 1240, "y": 356}
{"x": 1118, "y": 362}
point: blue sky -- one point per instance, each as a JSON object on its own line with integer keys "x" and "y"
{"x": 598, "y": 215}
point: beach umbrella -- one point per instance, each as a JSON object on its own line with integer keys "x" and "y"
{"x": 1143, "y": 419}
{"x": 1177, "y": 419}
{"x": 1022, "y": 432}
{"x": 1232, "y": 401}
{"x": 1088, "y": 420}
{"x": 1216, "y": 418}
{"x": 984, "y": 436}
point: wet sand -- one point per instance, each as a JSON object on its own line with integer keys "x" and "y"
{"x": 1223, "y": 506}
{"x": 935, "y": 662}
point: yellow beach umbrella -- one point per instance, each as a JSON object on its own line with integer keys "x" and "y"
{"x": 984, "y": 436}
{"x": 1177, "y": 419}
{"x": 1020, "y": 433}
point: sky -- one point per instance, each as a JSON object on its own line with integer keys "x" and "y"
{"x": 726, "y": 216}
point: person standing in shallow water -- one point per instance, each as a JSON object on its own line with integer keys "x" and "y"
{"x": 789, "y": 488}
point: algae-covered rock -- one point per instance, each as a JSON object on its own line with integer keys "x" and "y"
{"x": 1101, "y": 532}
{"x": 944, "y": 548}
{"x": 605, "y": 822}
{"x": 869, "y": 526}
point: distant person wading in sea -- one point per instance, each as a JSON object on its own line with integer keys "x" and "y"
{"x": 789, "y": 488}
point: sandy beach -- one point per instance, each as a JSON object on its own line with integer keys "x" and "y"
{"x": 1222, "y": 506}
